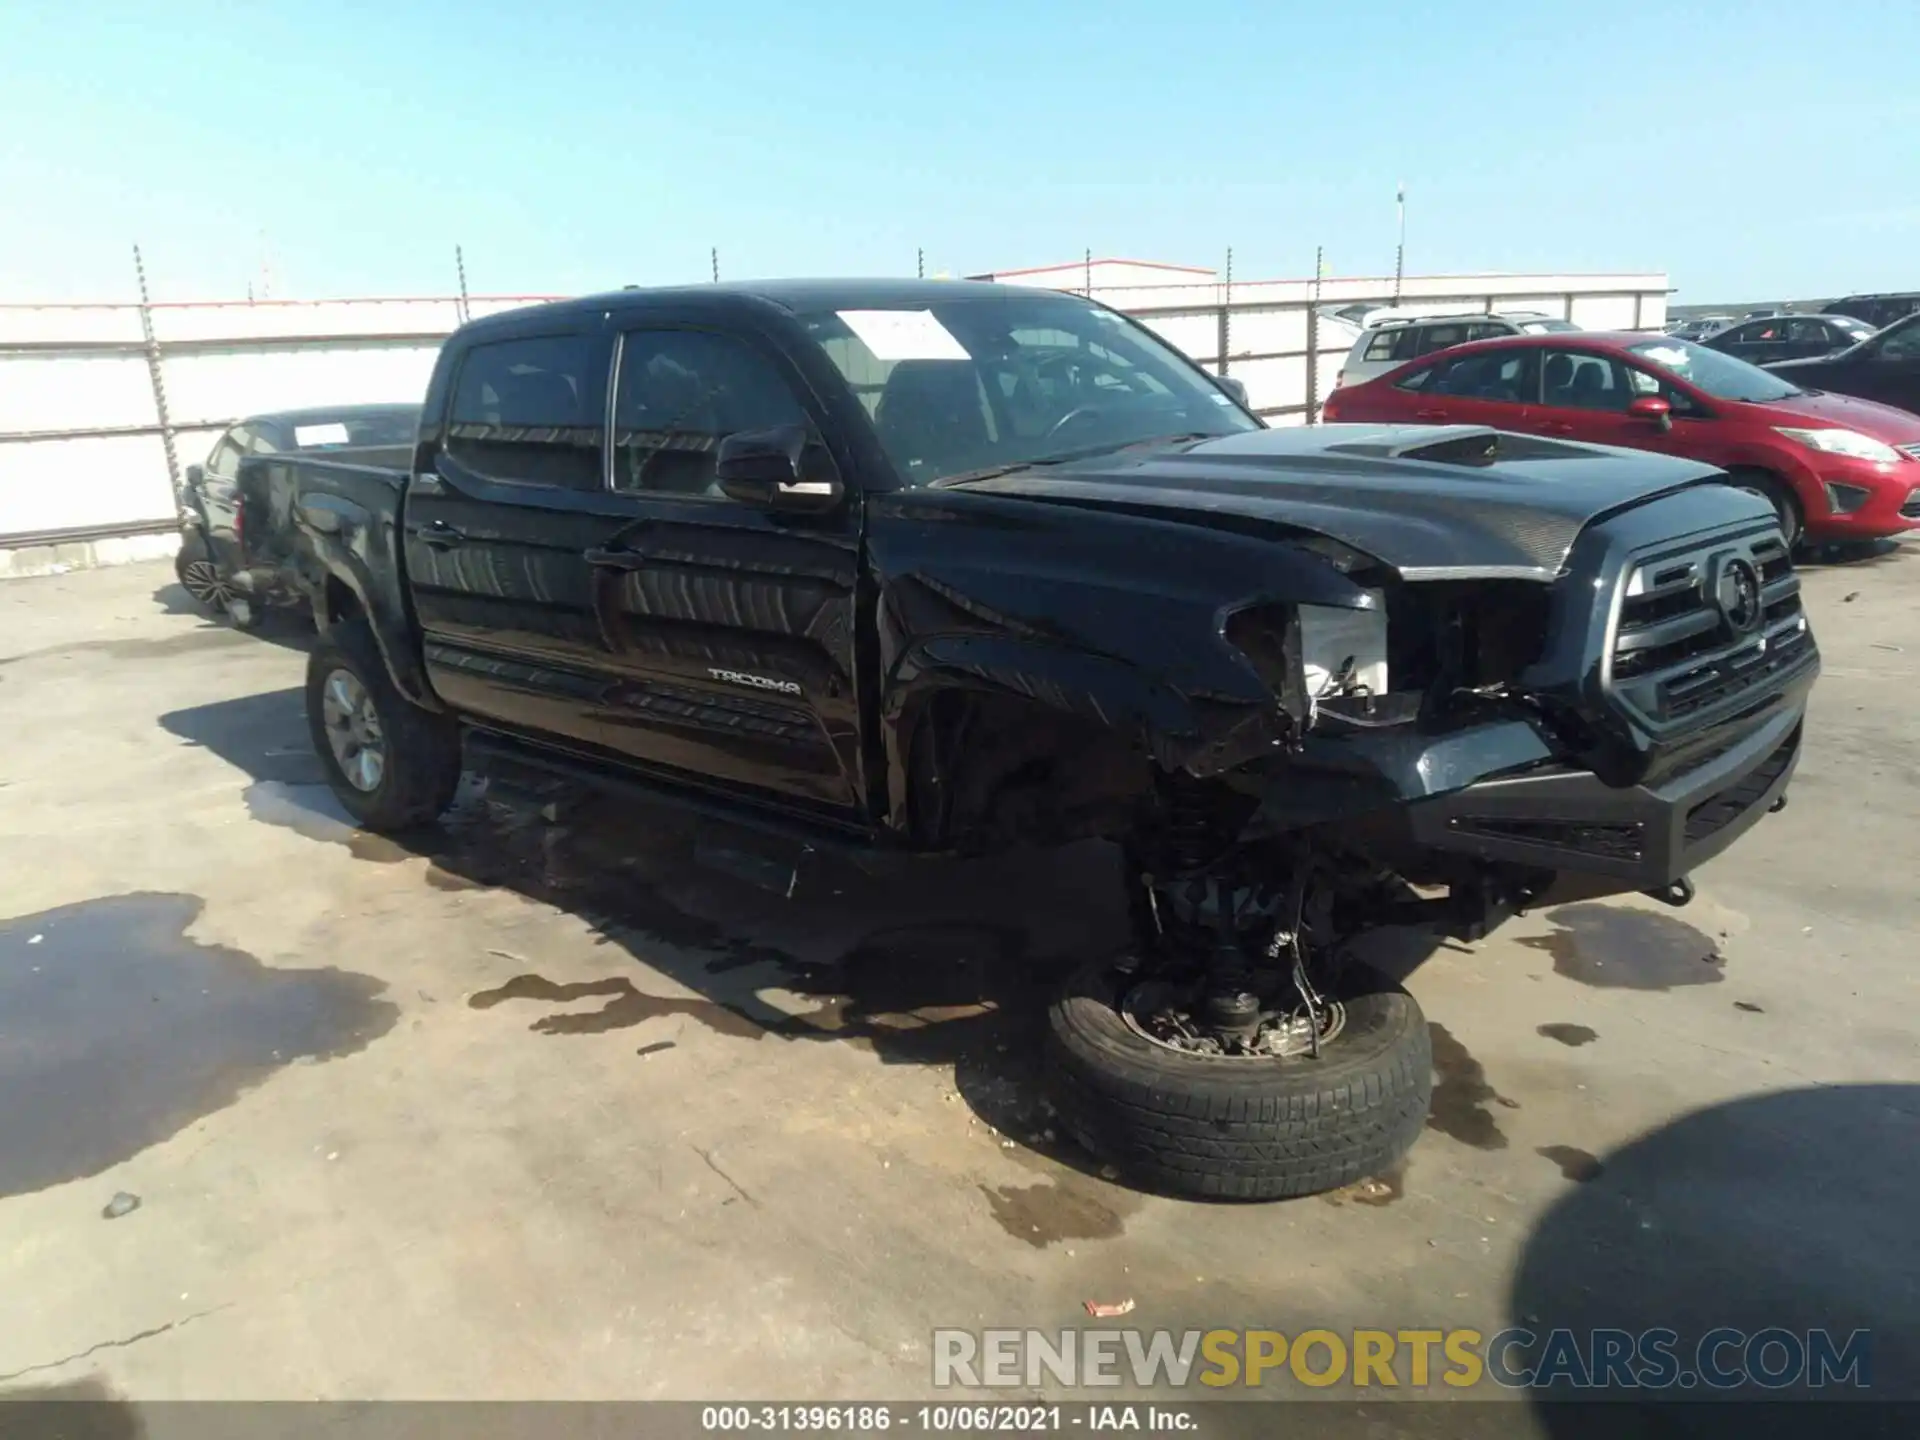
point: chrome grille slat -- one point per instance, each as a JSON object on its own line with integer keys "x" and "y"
{"x": 1676, "y": 656}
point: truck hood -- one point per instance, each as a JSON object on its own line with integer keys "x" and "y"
{"x": 1422, "y": 499}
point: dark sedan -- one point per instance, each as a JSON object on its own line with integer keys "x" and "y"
{"x": 1883, "y": 367}
{"x": 229, "y": 560}
{"x": 1788, "y": 337}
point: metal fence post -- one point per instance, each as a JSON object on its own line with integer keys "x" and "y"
{"x": 460, "y": 263}
{"x": 1226, "y": 314}
{"x": 1313, "y": 364}
{"x": 154, "y": 373}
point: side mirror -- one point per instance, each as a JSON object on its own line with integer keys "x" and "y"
{"x": 771, "y": 469}
{"x": 1236, "y": 388}
{"x": 195, "y": 474}
{"x": 1651, "y": 408}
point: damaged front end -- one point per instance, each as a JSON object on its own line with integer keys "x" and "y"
{"x": 1462, "y": 746}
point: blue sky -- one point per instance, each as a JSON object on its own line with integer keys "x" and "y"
{"x": 1752, "y": 150}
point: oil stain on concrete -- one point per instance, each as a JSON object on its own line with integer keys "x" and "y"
{"x": 1461, "y": 1093}
{"x": 117, "y": 1031}
{"x": 1615, "y": 948}
{"x": 1050, "y": 1212}
{"x": 1575, "y": 1164}
{"x": 1573, "y": 1035}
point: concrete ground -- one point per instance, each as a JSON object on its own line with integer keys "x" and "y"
{"x": 567, "y": 1107}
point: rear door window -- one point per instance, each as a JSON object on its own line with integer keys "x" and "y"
{"x": 1394, "y": 346}
{"x": 1503, "y": 377}
{"x": 530, "y": 411}
{"x": 1442, "y": 337}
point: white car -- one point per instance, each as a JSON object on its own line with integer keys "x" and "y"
{"x": 1395, "y": 340}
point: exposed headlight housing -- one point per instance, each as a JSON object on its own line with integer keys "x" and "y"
{"x": 1344, "y": 652}
{"x": 1850, "y": 443}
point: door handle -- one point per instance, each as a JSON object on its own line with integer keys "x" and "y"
{"x": 440, "y": 535}
{"x": 1558, "y": 428}
{"x": 1429, "y": 414}
{"x": 615, "y": 557}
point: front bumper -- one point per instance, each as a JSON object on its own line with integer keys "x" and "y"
{"x": 1891, "y": 507}
{"x": 1644, "y": 836}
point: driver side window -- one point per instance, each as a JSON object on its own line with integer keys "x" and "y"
{"x": 679, "y": 393}
{"x": 1645, "y": 382}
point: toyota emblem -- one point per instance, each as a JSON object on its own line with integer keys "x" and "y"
{"x": 1737, "y": 592}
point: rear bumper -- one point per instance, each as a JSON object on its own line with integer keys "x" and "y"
{"x": 1644, "y": 836}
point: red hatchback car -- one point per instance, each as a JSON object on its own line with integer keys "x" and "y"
{"x": 1834, "y": 467}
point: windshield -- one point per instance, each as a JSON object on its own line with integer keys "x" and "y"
{"x": 1858, "y": 329}
{"x": 1713, "y": 371}
{"x": 977, "y": 383}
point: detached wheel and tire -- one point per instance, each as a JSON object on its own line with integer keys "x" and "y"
{"x": 393, "y": 765}
{"x": 1235, "y": 1126}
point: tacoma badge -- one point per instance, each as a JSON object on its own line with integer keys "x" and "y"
{"x": 755, "y": 682}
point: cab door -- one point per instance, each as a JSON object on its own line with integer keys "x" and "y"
{"x": 499, "y": 520}
{"x": 732, "y": 626}
{"x": 1584, "y": 396}
{"x": 1487, "y": 387}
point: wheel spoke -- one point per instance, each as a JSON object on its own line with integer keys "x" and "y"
{"x": 352, "y": 725}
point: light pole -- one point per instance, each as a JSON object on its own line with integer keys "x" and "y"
{"x": 1400, "y": 245}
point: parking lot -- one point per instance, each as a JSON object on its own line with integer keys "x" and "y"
{"x": 562, "y": 1103}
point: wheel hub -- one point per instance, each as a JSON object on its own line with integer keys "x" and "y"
{"x": 353, "y": 730}
{"x": 201, "y": 579}
{"x": 1176, "y": 1018}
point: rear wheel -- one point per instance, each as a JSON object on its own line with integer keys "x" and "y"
{"x": 200, "y": 577}
{"x": 393, "y": 765}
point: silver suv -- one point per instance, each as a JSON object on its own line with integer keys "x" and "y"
{"x": 1394, "y": 341}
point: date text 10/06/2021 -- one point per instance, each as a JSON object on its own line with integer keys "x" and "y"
{"x": 874, "y": 1419}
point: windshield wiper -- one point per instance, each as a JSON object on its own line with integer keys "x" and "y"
{"x": 1065, "y": 457}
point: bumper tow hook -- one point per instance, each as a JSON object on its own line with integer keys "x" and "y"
{"x": 1677, "y": 894}
{"x": 1778, "y": 805}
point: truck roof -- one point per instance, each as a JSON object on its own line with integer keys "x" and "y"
{"x": 798, "y": 296}
{"x": 322, "y": 414}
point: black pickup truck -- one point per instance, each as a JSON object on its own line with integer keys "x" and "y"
{"x": 949, "y": 567}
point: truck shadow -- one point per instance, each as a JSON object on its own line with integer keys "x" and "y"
{"x": 1786, "y": 1212}
{"x": 1850, "y": 555}
{"x": 922, "y": 962}
{"x": 280, "y": 625}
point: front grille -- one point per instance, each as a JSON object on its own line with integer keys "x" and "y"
{"x": 1720, "y": 811}
{"x": 1912, "y": 452}
{"x": 1911, "y": 509}
{"x": 1678, "y": 654}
